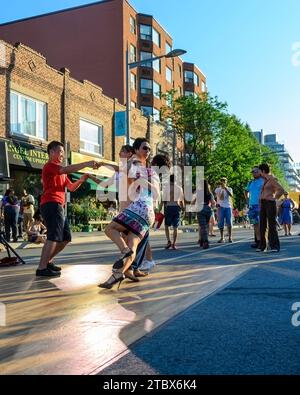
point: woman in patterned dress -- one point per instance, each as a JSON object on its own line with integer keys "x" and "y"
{"x": 138, "y": 217}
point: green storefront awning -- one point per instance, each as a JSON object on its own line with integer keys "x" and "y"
{"x": 92, "y": 185}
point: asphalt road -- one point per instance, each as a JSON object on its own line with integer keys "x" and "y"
{"x": 243, "y": 327}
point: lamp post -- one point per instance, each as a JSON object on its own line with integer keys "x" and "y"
{"x": 129, "y": 66}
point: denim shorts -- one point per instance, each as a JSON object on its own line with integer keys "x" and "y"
{"x": 253, "y": 214}
{"x": 225, "y": 214}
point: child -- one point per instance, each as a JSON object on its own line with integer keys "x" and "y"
{"x": 36, "y": 232}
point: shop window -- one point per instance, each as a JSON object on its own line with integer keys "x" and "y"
{"x": 27, "y": 116}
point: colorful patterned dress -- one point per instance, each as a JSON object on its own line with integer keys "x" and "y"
{"x": 139, "y": 216}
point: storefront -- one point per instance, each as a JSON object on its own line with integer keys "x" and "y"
{"x": 25, "y": 166}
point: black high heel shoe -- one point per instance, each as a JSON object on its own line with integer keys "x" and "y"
{"x": 118, "y": 265}
{"x": 113, "y": 279}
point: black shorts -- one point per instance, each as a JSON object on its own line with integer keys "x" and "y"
{"x": 57, "y": 225}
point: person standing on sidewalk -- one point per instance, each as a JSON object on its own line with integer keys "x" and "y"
{"x": 252, "y": 194}
{"x": 11, "y": 208}
{"x": 173, "y": 208}
{"x": 204, "y": 213}
{"x": 287, "y": 206}
{"x": 55, "y": 180}
{"x": 224, "y": 198}
{"x": 28, "y": 210}
{"x": 271, "y": 191}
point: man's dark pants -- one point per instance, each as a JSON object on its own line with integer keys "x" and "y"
{"x": 268, "y": 214}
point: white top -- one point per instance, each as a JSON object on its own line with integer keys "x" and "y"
{"x": 226, "y": 201}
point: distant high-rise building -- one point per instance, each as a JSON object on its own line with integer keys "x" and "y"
{"x": 286, "y": 161}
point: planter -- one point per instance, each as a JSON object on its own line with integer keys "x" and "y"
{"x": 87, "y": 229}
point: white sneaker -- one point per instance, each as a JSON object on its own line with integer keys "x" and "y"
{"x": 147, "y": 266}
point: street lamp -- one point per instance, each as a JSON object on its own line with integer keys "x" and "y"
{"x": 129, "y": 66}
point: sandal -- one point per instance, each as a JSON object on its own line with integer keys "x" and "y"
{"x": 130, "y": 276}
{"x": 113, "y": 279}
{"x": 120, "y": 262}
{"x": 139, "y": 273}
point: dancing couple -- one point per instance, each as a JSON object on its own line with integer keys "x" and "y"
{"x": 136, "y": 219}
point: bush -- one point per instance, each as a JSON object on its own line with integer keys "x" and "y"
{"x": 86, "y": 210}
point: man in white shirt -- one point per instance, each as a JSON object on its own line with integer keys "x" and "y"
{"x": 224, "y": 200}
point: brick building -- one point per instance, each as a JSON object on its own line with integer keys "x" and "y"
{"x": 92, "y": 40}
{"x": 39, "y": 104}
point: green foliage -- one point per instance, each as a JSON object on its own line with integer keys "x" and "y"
{"x": 86, "y": 210}
{"x": 220, "y": 142}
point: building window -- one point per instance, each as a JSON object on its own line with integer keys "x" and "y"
{"x": 146, "y": 32}
{"x": 156, "y": 37}
{"x": 27, "y": 116}
{"x": 180, "y": 70}
{"x": 191, "y": 77}
{"x": 156, "y": 115}
{"x": 169, "y": 74}
{"x": 91, "y": 137}
{"x": 188, "y": 93}
{"x": 146, "y": 87}
{"x": 147, "y": 111}
{"x": 133, "y": 81}
{"x": 203, "y": 85}
{"x": 168, "y": 47}
{"x": 156, "y": 90}
{"x": 133, "y": 104}
{"x": 157, "y": 65}
{"x": 188, "y": 76}
{"x": 132, "y": 56}
{"x": 145, "y": 56}
{"x": 132, "y": 25}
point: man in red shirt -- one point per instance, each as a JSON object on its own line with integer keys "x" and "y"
{"x": 55, "y": 180}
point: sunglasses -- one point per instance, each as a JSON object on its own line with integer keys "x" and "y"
{"x": 145, "y": 148}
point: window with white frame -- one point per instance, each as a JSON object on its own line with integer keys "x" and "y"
{"x": 146, "y": 32}
{"x": 168, "y": 47}
{"x": 133, "y": 81}
{"x": 132, "y": 25}
{"x": 156, "y": 37}
{"x": 156, "y": 90}
{"x": 169, "y": 74}
{"x": 146, "y": 86}
{"x": 132, "y": 55}
{"x": 27, "y": 116}
{"x": 157, "y": 65}
{"x": 156, "y": 115}
{"x": 91, "y": 137}
{"x": 203, "y": 84}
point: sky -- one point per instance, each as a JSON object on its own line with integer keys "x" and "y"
{"x": 249, "y": 51}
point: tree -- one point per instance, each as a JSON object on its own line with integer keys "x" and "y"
{"x": 220, "y": 142}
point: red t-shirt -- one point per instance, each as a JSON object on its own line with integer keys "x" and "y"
{"x": 54, "y": 184}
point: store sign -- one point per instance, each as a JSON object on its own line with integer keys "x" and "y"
{"x": 21, "y": 154}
